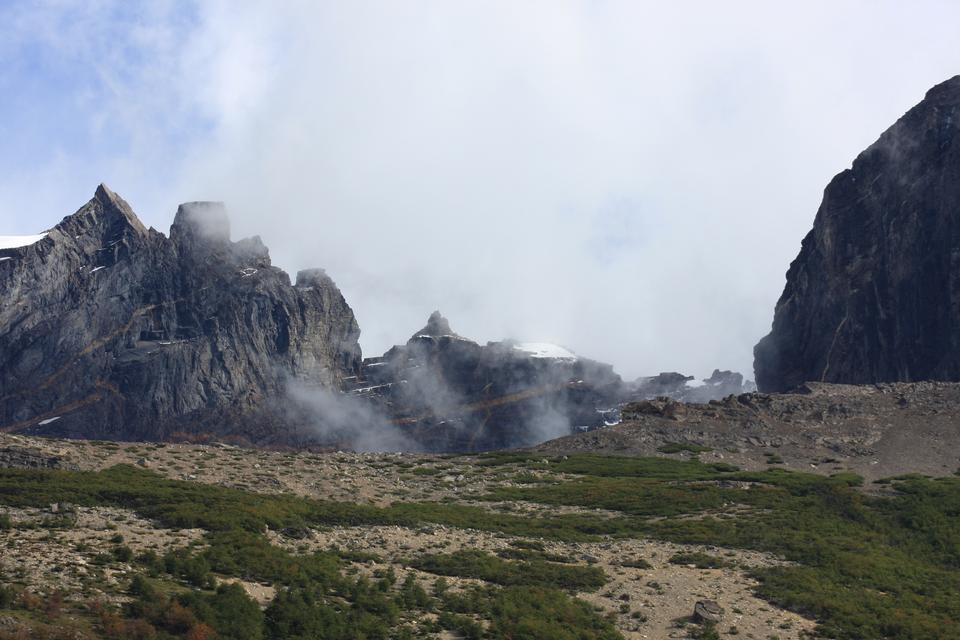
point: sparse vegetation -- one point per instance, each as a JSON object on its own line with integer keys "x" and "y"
{"x": 699, "y": 560}
{"x": 864, "y": 566}
{"x": 678, "y": 447}
{"x": 489, "y": 568}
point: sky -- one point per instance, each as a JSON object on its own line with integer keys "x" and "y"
{"x": 628, "y": 179}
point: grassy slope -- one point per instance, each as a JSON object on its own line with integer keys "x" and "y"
{"x": 867, "y": 567}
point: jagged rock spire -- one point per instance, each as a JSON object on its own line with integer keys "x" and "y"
{"x": 205, "y": 222}
{"x": 108, "y": 202}
{"x": 437, "y": 326}
{"x": 118, "y": 331}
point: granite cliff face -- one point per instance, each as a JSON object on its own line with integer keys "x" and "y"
{"x": 874, "y": 295}
{"x": 112, "y": 330}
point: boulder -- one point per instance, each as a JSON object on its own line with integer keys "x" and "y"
{"x": 707, "y": 612}
{"x": 683, "y": 388}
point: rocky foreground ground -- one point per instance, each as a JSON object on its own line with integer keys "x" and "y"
{"x": 654, "y": 598}
{"x": 778, "y": 509}
{"x": 876, "y": 431}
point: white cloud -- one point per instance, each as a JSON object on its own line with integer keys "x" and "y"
{"x": 627, "y": 179}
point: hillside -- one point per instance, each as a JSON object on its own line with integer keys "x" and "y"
{"x": 132, "y": 540}
{"x": 876, "y": 431}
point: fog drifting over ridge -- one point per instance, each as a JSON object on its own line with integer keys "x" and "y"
{"x": 628, "y": 180}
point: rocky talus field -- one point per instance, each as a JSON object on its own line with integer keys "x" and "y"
{"x": 876, "y": 431}
{"x": 148, "y": 540}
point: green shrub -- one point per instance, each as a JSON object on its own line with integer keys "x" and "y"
{"x": 8, "y": 596}
{"x": 534, "y": 613}
{"x": 142, "y": 587}
{"x": 440, "y": 587}
{"x": 483, "y": 566}
{"x": 463, "y": 626}
{"x": 636, "y": 563}
{"x": 677, "y": 447}
{"x": 414, "y": 596}
{"x": 699, "y": 559}
{"x": 194, "y": 569}
{"x": 229, "y": 611}
{"x": 123, "y": 553}
{"x": 303, "y": 614}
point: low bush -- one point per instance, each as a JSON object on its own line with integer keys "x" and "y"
{"x": 698, "y": 559}
{"x": 489, "y": 568}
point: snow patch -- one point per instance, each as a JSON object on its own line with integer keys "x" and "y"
{"x": 15, "y": 242}
{"x": 693, "y": 384}
{"x": 445, "y": 335}
{"x": 545, "y": 350}
{"x": 6, "y": 258}
{"x": 366, "y": 389}
{"x": 49, "y": 420}
{"x": 95, "y": 269}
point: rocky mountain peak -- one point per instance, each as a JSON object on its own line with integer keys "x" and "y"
{"x": 437, "y": 327}
{"x": 121, "y": 331}
{"x": 449, "y": 393}
{"x": 107, "y": 203}
{"x": 312, "y": 278}
{"x": 948, "y": 90}
{"x": 874, "y": 294}
{"x": 205, "y": 223}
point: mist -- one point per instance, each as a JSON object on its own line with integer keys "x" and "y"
{"x": 333, "y": 417}
{"x": 628, "y": 180}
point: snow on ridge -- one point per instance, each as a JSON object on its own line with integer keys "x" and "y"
{"x": 545, "y": 350}
{"x": 15, "y": 242}
{"x": 452, "y": 336}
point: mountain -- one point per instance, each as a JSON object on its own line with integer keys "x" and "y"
{"x": 113, "y": 330}
{"x": 874, "y": 295}
{"x": 443, "y": 392}
{"x": 448, "y": 393}
{"x": 677, "y": 386}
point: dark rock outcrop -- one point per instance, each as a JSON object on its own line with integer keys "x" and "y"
{"x": 707, "y": 612}
{"x": 874, "y": 295}
{"x": 20, "y": 458}
{"x": 447, "y": 393}
{"x": 437, "y": 327}
{"x": 876, "y": 431}
{"x": 679, "y": 387}
{"x": 112, "y": 330}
